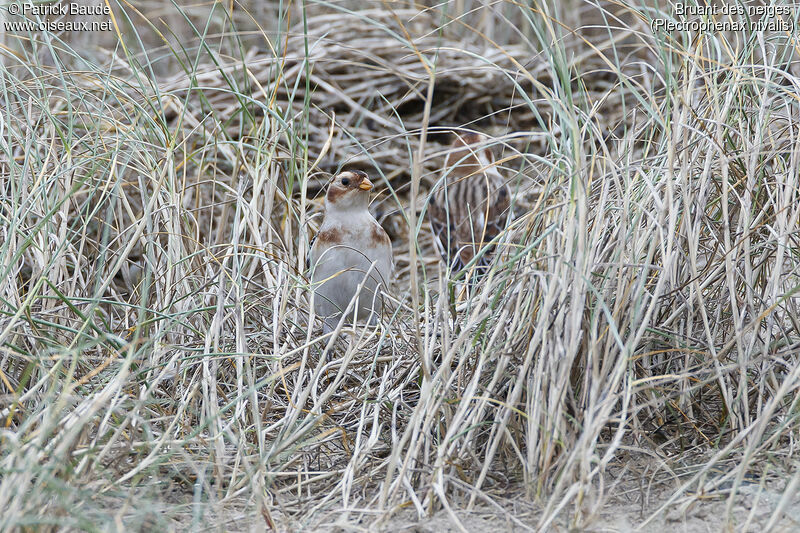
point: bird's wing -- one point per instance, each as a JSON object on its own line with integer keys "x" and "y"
{"x": 444, "y": 230}
{"x": 309, "y": 252}
{"x": 460, "y": 230}
{"x": 451, "y": 210}
{"x": 499, "y": 207}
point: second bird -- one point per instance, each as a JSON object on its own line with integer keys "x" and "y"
{"x": 470, "y": 205}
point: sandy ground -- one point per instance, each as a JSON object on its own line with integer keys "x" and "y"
{"x": 636, "y": 491}
{"x": 641, "y": 495}
{"x": 751, "y": 512}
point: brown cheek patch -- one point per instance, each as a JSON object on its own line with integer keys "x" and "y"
{"x": 334, "y": 193}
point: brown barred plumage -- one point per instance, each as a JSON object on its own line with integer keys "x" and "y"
{"x": 469, "y": 206}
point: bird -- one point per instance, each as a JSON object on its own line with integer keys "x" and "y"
{"x": 351, "y": 249}
{"x": 469, "y": 206}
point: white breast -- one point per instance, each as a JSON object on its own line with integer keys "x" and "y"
{"x": 339, "y": 268}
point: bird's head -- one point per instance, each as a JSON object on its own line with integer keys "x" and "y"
{"x": 470, "y": 154}
{"x": 348, "y": 190}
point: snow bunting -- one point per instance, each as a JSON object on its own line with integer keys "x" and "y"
{"x": 350, "y": 250}
{"x": 469, "y": 207}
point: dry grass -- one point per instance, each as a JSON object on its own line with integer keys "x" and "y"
{"x": 158, "y": 367}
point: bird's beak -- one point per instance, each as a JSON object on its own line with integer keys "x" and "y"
{"x": 365, "y": 185}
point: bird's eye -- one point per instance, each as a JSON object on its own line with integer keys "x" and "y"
{"x": 345, "y": 182}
